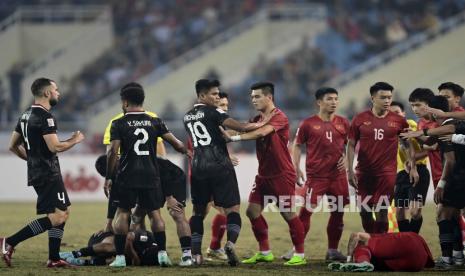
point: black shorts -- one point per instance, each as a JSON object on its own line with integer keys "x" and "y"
{"x": 221, "y": 188}
{"x": 51, "y": 195}
{"x": 173, "y": 181}
{"x": 404, "y": 192}
{"x": 454, "y": 192}
{"x": 149, "y": 199}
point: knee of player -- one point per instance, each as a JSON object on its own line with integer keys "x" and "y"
{"x": 252, "y": 214}
{"x": 58, "y": 218}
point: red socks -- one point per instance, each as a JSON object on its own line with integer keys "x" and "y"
{"x": 296, "y": 230}
{"x": 218, "y": 229}
{"x": 334, "y": 229}
{"x": 304, "y": 216}
{"x": 260, "y": 230}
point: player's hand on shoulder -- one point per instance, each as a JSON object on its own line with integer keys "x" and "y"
{"x": 435, "y": 112}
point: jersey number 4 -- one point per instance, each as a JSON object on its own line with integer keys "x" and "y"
{"x": 199, "y": 134}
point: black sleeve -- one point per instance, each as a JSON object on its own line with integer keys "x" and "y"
{"x": 114, "y": 131}
{"x": 18, "y": 127}
{"x": 162, "y": 128}
{"x": 460, "y": 127}
{"x": 49, "y": 124}
{"x": 219, "y": 115}
{"x": 446, "y": 146}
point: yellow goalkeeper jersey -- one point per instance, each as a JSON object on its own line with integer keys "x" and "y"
{"x": 402, "y": 152}
{"x": 106, "y": 135}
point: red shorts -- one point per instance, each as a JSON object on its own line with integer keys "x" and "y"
{"x": 337, "y": 187}
{"x": 377, "y": 187}
{"x": 281, "y": 187}
{"x": 405, "y": 251}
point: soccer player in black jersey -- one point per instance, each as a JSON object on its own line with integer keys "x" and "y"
{"x": 138, "y": 177}
{"x": 213, "y": 175}
{"x": 35, "y": 140}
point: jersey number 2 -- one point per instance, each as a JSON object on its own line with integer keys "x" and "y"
{"x": 143, "y": 140}
{"x": 199, "y": 133}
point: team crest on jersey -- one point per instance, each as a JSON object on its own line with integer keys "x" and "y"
{"x": 316, "y": 127}
{"x": 367, "y": 123}
{"x": 393, "y": 124}
{"x": 50, "y": 122}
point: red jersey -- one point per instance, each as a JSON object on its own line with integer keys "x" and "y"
{"x": 435, "y": 158}
{"x": 273, "y": 155}
{"x": 404, "y": 251}
{"x": 325, "y": 144}
{"x": 378, "y": 141}
{"x": 458, "y": 108}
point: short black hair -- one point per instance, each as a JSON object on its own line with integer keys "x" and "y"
{"x": 380, "y": 86}
{"x": 421, "y": 95}
{"x": 133, "y": 93}
{"x": 399, "y": 104}
{"x": 266, "y": 87}
{"x": 101, "y": 165}
{"x": 455, "y": 88}
{"x": 440, "y": 102}
{"x": 322, "y": 91}
{"x": 37, "y": 87}
{"x": 223, "y": 95}
{"x": 204, "y": 85}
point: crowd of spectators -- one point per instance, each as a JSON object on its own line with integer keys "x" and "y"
{"x": 356, "y": 31}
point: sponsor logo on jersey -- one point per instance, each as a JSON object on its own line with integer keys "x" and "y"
{"x": 316, "y": 126}
{"x": 367, "y": 123}
{"x": 393, "y": 124}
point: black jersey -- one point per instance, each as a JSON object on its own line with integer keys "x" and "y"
{"x": 42, "y": 164}
{"x": 210, "y": 152}
{"x": 138, "y": 133}
{"x": 459, "y": 150}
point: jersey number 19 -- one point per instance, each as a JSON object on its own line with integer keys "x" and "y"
{"x": 199, "y": 134}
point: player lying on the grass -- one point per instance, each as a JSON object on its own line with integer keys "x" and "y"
{"x": 173, "y": 182}
{"x": 403, "y": 251}
{"x": 140, "y": 250}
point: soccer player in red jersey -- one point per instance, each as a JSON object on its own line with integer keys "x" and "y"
{"x": 404, "y": 251}
{"x": 276, "y": 176}
{"x": 376, "y": 131}
{"x": 324, "y": 136}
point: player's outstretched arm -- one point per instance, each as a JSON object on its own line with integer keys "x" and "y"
{"x": 459, "y": 115}
{"x": 176, "y": 143}
{"x": 55, "y": 145}
{"x": 252, "y": 135}
{"x": 230, "y": 123}
{"x": 17, "y": 146}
